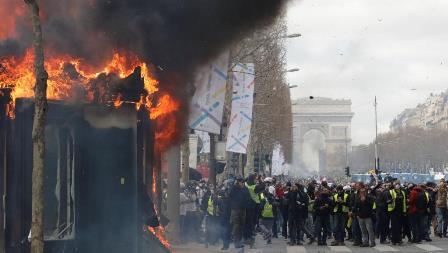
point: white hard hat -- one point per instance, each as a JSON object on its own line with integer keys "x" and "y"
{"x": 268, "y": 180}
{"x": 271, "y": 189}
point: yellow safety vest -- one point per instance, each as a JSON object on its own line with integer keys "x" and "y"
{"x": 267, "y": 209}
{"x": 391, "y": 206}
{"x": 311, "y": 206}
{"x": 252, "y": 193}
{"x": 344, "y": 208}
{"x": 210, "y": 208}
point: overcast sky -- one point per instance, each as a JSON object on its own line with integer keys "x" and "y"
{"x": 357, "y": 49}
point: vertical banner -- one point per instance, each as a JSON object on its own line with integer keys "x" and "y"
{"x": 193, "y": 144}
{"x": 242, "y": 102}
{"x": 207, "y": 104}
{"x": 205, "y": 140}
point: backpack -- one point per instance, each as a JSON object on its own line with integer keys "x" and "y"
{"x": 422, "y": 202}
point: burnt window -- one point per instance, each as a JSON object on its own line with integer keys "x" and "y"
{"x": 59, "y": 192}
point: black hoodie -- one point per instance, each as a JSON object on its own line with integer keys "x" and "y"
{"x": 319, "y": 205}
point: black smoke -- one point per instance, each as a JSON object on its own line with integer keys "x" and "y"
{"x": 176, "y": 36}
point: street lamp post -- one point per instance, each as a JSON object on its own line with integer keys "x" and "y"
{"x": 377, "y": 159}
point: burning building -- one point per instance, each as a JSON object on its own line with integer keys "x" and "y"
{"x": 98, "y": 173}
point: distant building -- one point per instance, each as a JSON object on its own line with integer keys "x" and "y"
{"x": 431, "y": 114}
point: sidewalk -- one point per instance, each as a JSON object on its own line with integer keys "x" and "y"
{"x": 196, "y": 248}
{"x": 200, "y": 248}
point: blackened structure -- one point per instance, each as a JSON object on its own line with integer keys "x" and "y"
{"x": 98, "y": 161}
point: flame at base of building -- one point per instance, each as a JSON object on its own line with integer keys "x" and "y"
{"x": 159, "y": 232}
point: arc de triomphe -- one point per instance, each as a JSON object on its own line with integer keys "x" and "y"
{"x": 321, "y": 135}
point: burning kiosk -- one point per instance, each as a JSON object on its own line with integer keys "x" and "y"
{"x": 98, "y": 174}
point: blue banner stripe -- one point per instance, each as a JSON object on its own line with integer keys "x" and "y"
{"x": 220, "y": 73}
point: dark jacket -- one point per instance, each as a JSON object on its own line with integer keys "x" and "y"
{"x": 204, "y": 202}
{"x": 383, "y": 200}
{"x": 323, "y": 206}
{"x": 239, "y": 198}
{"x": 298, "y": 203}
{"x": 305, "y": 200}
{"x": 363, "y": 209}
{"x": 224, "y": 207}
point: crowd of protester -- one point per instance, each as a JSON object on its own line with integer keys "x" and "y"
{"x": 306, "y": 211}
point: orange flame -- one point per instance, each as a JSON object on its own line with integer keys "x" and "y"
{"x": 118, "y": 102}
{"x": 17, "y": 73}
{"x": 159, "y": 232}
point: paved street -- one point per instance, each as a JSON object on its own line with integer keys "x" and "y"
{"x": 279, "y": 246}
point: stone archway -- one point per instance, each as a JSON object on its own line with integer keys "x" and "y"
{"x": 332, "y": 119}
{"x": 313, "y": 150}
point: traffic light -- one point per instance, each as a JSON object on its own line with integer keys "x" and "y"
{"x": 347, "y": 171}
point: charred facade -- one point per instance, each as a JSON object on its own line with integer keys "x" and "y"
{"x": 98, "y": 178}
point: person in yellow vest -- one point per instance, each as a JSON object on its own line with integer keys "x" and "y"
{"x": 212, "y": 218}
{"x": 384, "y": 209}
{"x": 340, "y": 212}
{"x": 267, "y": 214}
{"x": 398, "y": 212}
{"x": 252, "y": 208}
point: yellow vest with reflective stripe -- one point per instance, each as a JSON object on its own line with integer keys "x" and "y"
{"x": 344, "y": 208}
{"x": 267, "y": 209}
{"x": 210, "y": 208}
{"x": 252, "y": 193}
{"x": 391, "y": 206}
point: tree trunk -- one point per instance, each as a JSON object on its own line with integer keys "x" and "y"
{"x": 173, "y": 198}
{"x": 38, "y": 135}
{"x": 185, "y": 151}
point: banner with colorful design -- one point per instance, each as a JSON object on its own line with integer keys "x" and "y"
{"x": 205, "y": 139}
{"x": 242, "y": 103}
{"x": 207, "y": 104}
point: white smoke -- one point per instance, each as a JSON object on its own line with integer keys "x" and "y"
{"x": 107, "y": 117}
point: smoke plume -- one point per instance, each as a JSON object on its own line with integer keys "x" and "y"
{"x": 176, "y": 36}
